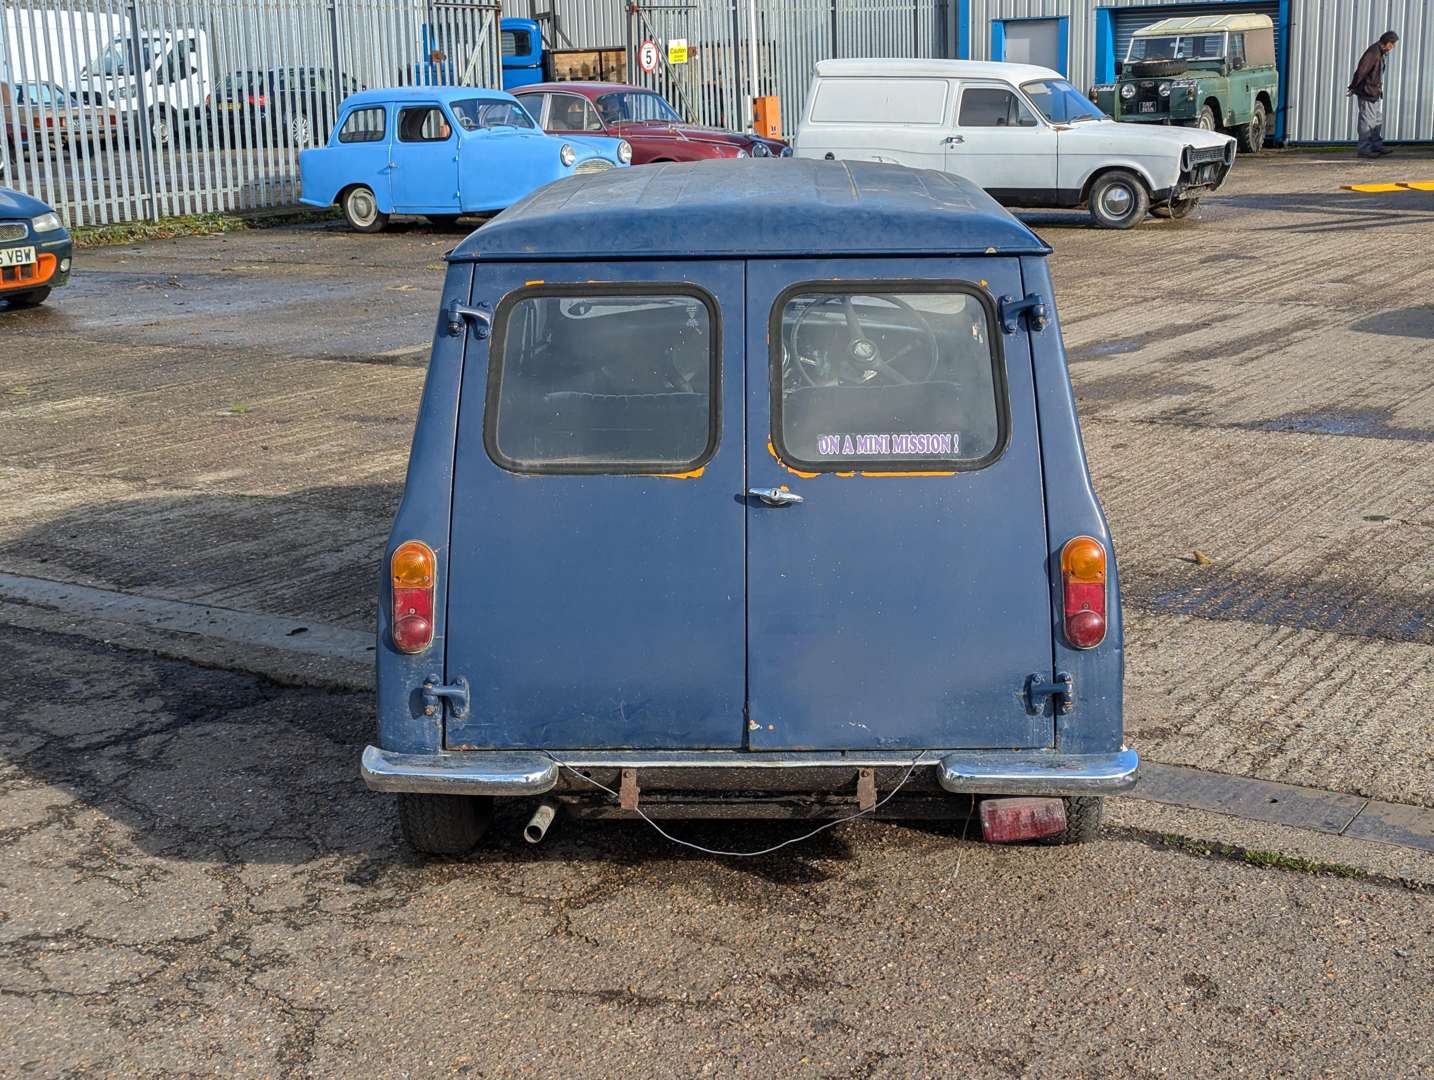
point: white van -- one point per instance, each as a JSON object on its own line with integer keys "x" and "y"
{"x": 98, "y": 55}
{"x": 1023, "y": 133}
{"x": 170, "y": 67}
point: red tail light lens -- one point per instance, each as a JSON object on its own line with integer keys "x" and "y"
{"x": 413, "y": 571}
{"x": 1083, "y": 575}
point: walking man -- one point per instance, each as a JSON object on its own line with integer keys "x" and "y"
{"x": 1367, "y": 86}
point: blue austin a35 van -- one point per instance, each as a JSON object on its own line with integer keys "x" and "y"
{"x": 742, "y": 489}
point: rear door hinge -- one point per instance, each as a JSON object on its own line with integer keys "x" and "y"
{"x": 1034, "y": 307}
{"x": 1060, "y": 691}
{"x": 459, "y": 316}
{"x": 434, "y": 693}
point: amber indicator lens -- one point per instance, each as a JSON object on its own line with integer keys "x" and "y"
{"x": 413, "y": 565}
{"x": 1083, "y": 559}
{"x": 1083, "y": 567}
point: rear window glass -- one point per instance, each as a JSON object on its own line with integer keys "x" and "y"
{"x": 363, "y": 125}
{"x": 877, "y": 101}
{"x": 604, "y": 381}
{"x": 910, "y": 380}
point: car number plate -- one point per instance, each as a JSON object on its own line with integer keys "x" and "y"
{"x": 1147, "y": 106}
{"x": 17, "y": 256}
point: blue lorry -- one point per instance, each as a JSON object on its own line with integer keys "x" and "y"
{"x": 526, "y": 59}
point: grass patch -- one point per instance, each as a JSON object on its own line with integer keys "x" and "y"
{"x": 1270, "y": 860}
{"x": 130, "y": 232}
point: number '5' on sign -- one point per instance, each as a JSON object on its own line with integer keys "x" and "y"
{"x": 647, "y": 56}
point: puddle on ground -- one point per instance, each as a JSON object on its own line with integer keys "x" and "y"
{"x": 1361, "y": 423}
{"x": 1411, "y": 322}
{"x": 1115, "y": 347}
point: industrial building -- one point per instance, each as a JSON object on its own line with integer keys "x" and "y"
{"x": 1317, "y": 44}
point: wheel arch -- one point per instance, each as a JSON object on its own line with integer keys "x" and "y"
{"x": 380, "y": 197}
{"x": 1213, "y": 104}
{"x": 1116, "y": 166}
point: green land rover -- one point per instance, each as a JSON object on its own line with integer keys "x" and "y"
{"x": 1211, "y": 71}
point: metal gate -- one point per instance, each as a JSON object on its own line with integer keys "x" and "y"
{"x": 116, "y": 110}
{"x": 122, "y": 109}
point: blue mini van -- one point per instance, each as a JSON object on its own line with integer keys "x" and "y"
{"x": 742, "y": 490}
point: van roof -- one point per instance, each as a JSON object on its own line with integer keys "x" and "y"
{"x": 754, "y": 207}
{"x": 944, "y": 69}
{"x": 1206, "y": 24}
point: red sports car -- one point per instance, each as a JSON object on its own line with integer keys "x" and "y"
{"x": 640, "y": 116}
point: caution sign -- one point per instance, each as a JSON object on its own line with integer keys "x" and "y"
{"x": 677, "y": 51}
{"x": 647, "y": 56}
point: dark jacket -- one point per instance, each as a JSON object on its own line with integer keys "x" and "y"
{"x": 1368, "y": 81}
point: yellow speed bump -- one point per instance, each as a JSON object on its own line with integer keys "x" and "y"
{"x": 1402, "y": 185}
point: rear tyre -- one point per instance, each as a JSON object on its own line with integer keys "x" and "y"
{"x": 29, "y": 298}
{"x": 361, "y": 210}
{"x": 1118, "y": 200}
{"x": 443, "y": 221}
{"x": 444, "y": 824}
{"x": 1083, "y": 814}
{"x": 1252, "y": 135}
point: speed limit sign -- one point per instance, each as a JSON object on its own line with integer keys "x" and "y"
{"x": 647, "y": 56}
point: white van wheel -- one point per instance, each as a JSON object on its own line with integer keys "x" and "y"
{"x": 160, "y": 128}
{"x": 361, "y": 209}
{"x": 1118, "y": 200}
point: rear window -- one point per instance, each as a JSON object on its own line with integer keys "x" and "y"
{"x": 604, "y": 380}
{"x": 363, "y": 125}
{"x": 880, "y": 101}
{"x": 908, "y": 379}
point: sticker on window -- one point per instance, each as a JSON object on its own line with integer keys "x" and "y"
{"x": 898, "y": 378}
{"x": 886, "y": 444}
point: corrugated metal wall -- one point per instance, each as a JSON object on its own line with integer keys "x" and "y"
{"x": 792, "y": 35}
{"x": 1326, "y": 38}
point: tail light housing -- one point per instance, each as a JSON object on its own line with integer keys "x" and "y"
{"x": 1083, "y": 569}
{"x": 413, "y": 571}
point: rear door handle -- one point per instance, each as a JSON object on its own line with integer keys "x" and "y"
{"x": 776, "y": 496}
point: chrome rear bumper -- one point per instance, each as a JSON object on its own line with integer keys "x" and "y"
{"x": 528, "y": 772}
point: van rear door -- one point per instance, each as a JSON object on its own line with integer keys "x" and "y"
{"x": 897, "y": 580}
{"x": 597, "y": 559}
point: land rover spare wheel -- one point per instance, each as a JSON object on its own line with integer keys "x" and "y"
{"x": 1118, "y": 200}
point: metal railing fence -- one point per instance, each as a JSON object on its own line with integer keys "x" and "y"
{"x": 117, "y": 110}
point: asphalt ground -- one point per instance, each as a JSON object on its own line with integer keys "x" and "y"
{"x": 193, "y": 881}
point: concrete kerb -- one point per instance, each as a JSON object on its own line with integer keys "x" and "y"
{"x": 302, "y": 652}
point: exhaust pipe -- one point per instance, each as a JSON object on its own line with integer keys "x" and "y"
{"x": 537, "y": 826}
